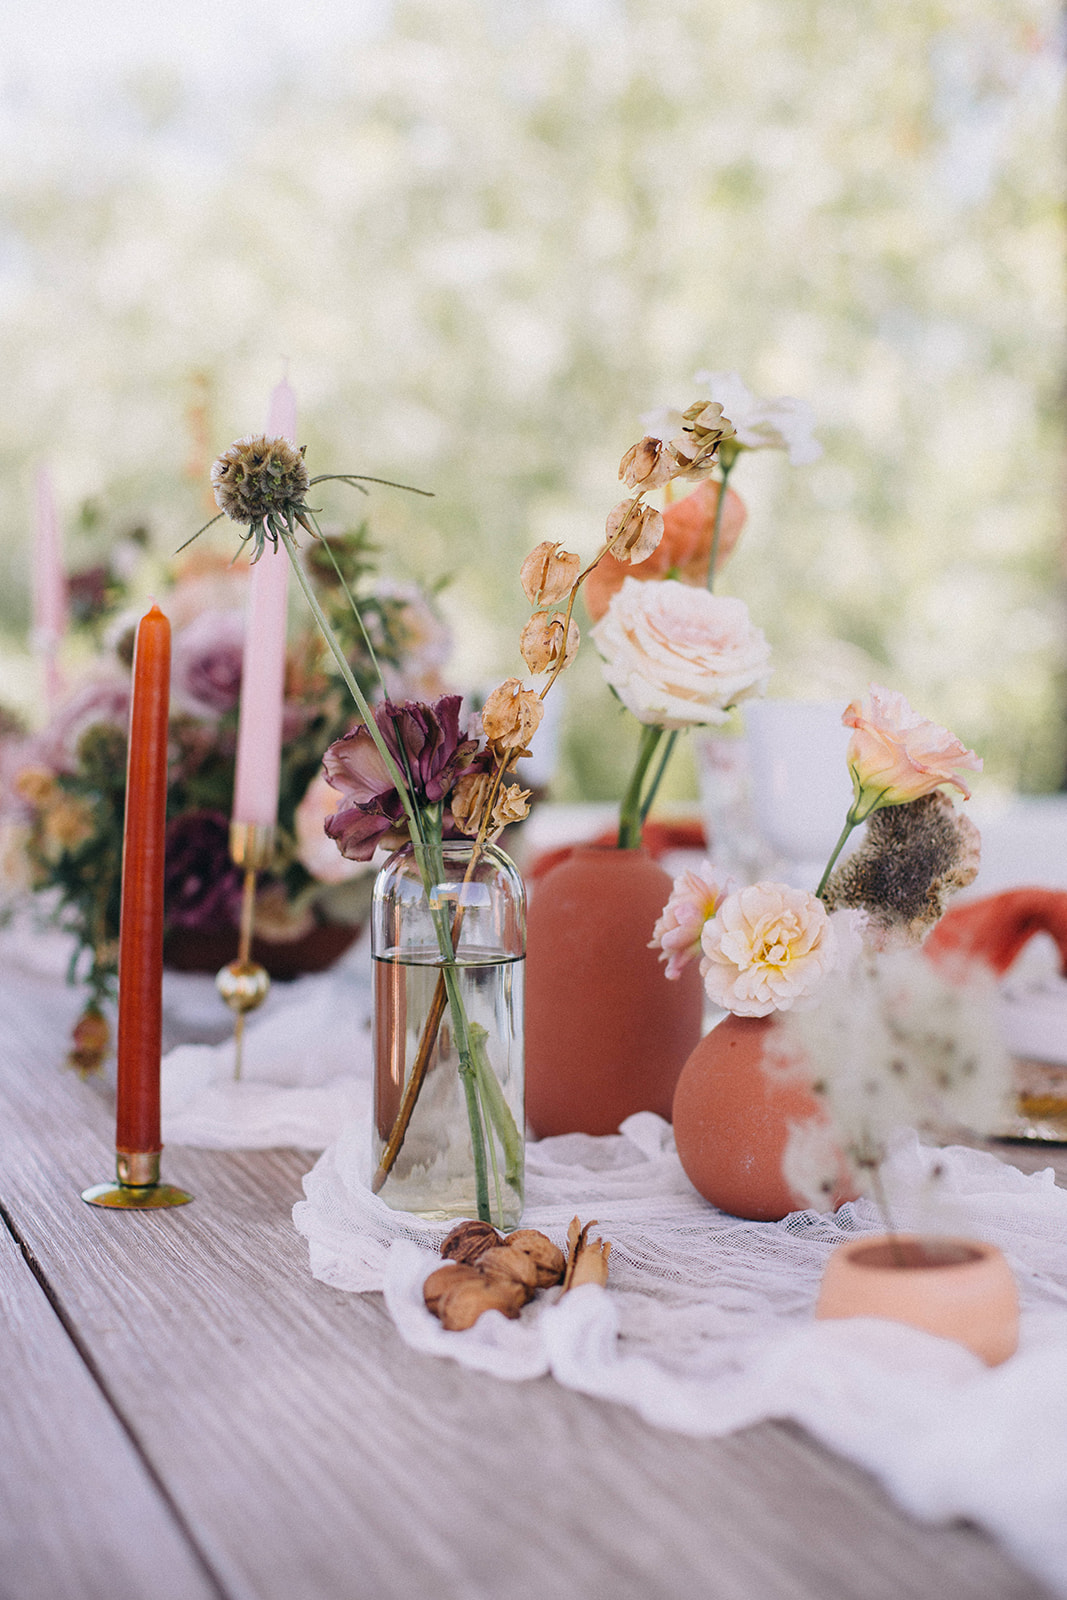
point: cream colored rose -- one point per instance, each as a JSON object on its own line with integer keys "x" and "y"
{"x": 767, "y": 947}
{"x": 678, "y": 656}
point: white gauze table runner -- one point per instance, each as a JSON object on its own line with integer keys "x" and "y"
{"x": 706, "y": 1326}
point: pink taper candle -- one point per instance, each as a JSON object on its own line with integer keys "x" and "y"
{"x": 49, "y": 585}
{"x": 259, "y": 728}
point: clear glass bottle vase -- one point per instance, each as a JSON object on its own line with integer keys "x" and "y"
{"x": 448, "y": 942}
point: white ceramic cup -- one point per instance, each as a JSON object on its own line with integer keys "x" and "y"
{"x": 801, "y": 789}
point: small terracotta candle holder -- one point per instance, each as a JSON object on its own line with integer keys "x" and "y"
{"x": 959, "y": 1289}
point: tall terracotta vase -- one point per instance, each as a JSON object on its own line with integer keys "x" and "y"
{"x": 731, "y": 1123}
{"x": 606, "y": 1032}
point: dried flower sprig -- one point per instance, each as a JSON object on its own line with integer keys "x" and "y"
{"x": 893, "y": 1043}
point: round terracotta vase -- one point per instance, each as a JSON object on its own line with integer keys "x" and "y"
{"x": 606, "y": 1032}
{"x": 960, "y": 1289}
{"x": 731, "y": 1123}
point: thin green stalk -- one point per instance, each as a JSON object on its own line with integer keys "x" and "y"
{"x": 356, "y": 612}
{"x": 490, "y": 1141}
{"x": 497, "y": 1107}
{"x": 657, "y": 776}
{"x": 431, "y": 866}
{"x": 362, "y": 705}
{"x": 726, "y": 469}
{"x": 850, "y": 823}
{"x": 630, "y": 809}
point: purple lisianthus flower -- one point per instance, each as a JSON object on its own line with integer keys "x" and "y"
{"x": 201, "y": 885}
{"x": 206, "y": 664}
{"x": 105, "y": 699}
{"x": 425, "y": 741}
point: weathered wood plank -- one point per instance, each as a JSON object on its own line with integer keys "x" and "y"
{"x": 72, "y": 1486}
{"x": 314, "y": 1455}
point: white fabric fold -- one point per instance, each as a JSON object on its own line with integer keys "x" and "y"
{"x": 305, "y": 1071}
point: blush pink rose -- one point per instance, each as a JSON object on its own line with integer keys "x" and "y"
{"x": 767, "y": 947}
{"x": 896, "y": 756}
{"x": 694, "y": 899}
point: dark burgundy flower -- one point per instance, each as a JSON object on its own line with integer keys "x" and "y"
{"x": 425, "y": 741}
{"x": 201, "y": 886}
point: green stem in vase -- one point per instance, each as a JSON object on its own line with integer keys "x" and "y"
{"x": 430, "y": 860}
{"x": 497, "y": 1107}
{"x": 657, "y": 776}
{"x": 630, "y": 814}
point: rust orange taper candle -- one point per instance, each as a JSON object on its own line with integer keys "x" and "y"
{"x": 140, "y": 1028}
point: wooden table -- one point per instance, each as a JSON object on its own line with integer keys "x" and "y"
{"x": 188, "y": 1414}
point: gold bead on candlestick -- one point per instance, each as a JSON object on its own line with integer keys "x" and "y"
{"x": 243, "y": 983}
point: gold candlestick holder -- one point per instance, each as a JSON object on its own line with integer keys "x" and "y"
{"x": 137, "y": 1186}
{"x": 243, "y": 983}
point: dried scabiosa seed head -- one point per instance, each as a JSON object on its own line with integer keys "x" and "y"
{"x": 913, "y": 858}
{"x": 258, "y": 478}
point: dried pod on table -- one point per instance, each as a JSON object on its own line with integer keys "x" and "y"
{"x": 461, "y": 1305}
{"x": 587, "y": 1259}
{"x": 591, "y": 1265}
{"x": 467, "y": 1241}
{"x": 444, "y": 1279}
{"x": 549, "y": 1260}
{"x": 515, "y": 1266}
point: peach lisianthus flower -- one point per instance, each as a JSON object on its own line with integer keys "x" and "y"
{"x": 694, "y": 899}
{"x": 317, "y": 853}
{"x": 683, "y": 551}
{"x": 896, "y": 756}
{"x": 767, "y": 947}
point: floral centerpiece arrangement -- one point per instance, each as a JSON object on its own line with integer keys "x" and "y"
{"x": 64, "y": 785}
{"x": 414, "y": 770}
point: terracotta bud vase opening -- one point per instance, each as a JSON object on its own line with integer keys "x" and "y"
{"x": 960, "y": 1289}
{"x": 732, "y": 1121}
{"x": 607, "y": 1032}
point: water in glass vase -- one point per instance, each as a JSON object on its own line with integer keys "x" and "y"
{"x": 434, "y": 1173}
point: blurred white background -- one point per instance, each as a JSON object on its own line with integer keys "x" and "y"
{"x": 487, "y": 234}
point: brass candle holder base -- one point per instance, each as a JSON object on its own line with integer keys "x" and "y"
{"x": 137, "y": 1187}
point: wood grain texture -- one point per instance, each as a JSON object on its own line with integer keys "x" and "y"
{"x": 315, "y": 1457}
{"x": 72, "y": 1487}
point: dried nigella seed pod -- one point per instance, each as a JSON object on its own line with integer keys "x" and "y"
{"x": 550, "y": 1262}
{"x": 467, "y": 1241}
